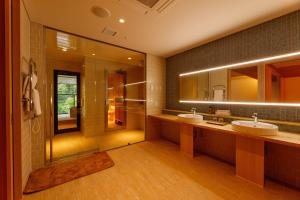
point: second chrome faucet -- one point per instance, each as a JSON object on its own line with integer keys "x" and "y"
{"x": 255, "y": 117}
{"x": 193, "y": 110}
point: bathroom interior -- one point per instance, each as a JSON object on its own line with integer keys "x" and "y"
{"x": 117, "y": 101}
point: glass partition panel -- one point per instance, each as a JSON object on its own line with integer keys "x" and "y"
{"x": 96, "y": 93}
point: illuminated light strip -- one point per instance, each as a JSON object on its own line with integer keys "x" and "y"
{"x": 243, "y": 63}
{"x": 241, "y": 103}
{"x": 139, "y": 100}
{"x": 135, "y": 83}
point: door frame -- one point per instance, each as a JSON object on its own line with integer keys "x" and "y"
{"x": 77, "y": 74}
{"x": 6, "y": 152}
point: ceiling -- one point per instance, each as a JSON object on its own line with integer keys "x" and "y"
{"x": 290, "y": 68}
{"x": 248, "y": 71}
{"x": 78, "y": 48}
{"x": 164, "y": 29}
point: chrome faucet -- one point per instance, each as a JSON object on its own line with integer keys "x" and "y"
{"x": 254, "y": 116}
{"x": 194, "y": 111}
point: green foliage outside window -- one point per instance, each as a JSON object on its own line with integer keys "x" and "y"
{"x": 66, "y": 97}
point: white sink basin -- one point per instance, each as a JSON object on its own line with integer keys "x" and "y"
{"x": 254, "y": 128}
{"x": 190, "y": 118}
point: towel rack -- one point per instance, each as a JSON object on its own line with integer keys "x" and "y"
{"x": 32, "y": 70}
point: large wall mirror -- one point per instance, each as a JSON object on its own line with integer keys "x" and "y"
{"x": 275, "y": 81}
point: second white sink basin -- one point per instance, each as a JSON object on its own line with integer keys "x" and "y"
{"x": 190, "y": 118}
{"x": 254, "y": 128}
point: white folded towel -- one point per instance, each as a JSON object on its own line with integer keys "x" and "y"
{"x": 25, "y": 87}
{"x": 34, "y": 80}
{"x": 36, "y": 102}
{"x": 218, "y": 95}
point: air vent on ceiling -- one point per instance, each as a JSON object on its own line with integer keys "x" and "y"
{"x": 149, "y": 3}
{"x": 151, "y": 8}
{"x": 164, "y": 5}
{"x": 158, "y": 6}
{"x": 109, "y": 31}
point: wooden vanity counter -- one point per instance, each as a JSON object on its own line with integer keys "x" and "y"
{"x": 285, "y": 138}
{"x": 250, "y": 149}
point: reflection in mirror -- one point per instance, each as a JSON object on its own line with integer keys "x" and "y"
{"x": 115, "y": 104}
{"x": 243, "y": 84}
{"x": 275, "y": 82}
{"x": 282, "y": 80}
{"x": 218, "y": 85}
{"x": 194, "y": 87}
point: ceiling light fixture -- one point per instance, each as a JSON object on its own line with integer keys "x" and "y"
{"x": 93, "y": 54}
{"x": 122, "y": 21}
{"x": 129, "y": 58}
{"x": 64, "y": 49}
{"x": 65, "y": 41}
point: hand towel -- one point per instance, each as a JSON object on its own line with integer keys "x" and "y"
{"x": 25, "y": 87}
{"x": 36, "y": 102}
{"x": 34, "y": 80}
{"x": 218, "y": 95}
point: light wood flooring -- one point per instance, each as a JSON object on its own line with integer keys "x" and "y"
{"x": 157, "y": 170}
{"x": 69, "y": 144}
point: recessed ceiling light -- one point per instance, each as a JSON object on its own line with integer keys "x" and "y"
{"x": 122, "y": 21}
{"x": 129, "y": 58}
{"x": 93, "y": 54}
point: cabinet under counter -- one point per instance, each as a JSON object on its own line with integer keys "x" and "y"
{"x": 255, "y": 157}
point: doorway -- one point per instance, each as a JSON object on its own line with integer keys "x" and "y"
{"x": 115, "y": 101}
{"x": 66, "y": 101}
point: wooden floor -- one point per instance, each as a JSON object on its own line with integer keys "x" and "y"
{"x": 157, "y": 170}
{"x": 68, "y": 144}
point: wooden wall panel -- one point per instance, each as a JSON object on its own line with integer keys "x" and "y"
{"x": 3, "y": 149}
{"x": 187, "y": 139}
{"x": 16, "y": 103}
{"x": 153, "y": 129}
{"x": 170, "y": 131}
{"x": 216, "y": 144}
{"x": 282, "y": 163}
{"x": 250, "y": 159}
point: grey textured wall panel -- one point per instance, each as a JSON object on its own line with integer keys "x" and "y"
{"x": 278, "y": 36}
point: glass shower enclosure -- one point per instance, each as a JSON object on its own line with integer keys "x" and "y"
{"x": 96, "y": 96}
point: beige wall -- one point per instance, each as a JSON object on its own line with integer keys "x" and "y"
{"x": 38, "y": 129}
{"x": 93, "y": 97}
{"x": 25, "y": 120}
{"x": 135, "y": 116}
{"x": 156, "y": 84}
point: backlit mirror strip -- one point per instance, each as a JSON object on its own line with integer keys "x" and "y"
{"x": 278, "y": 57}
